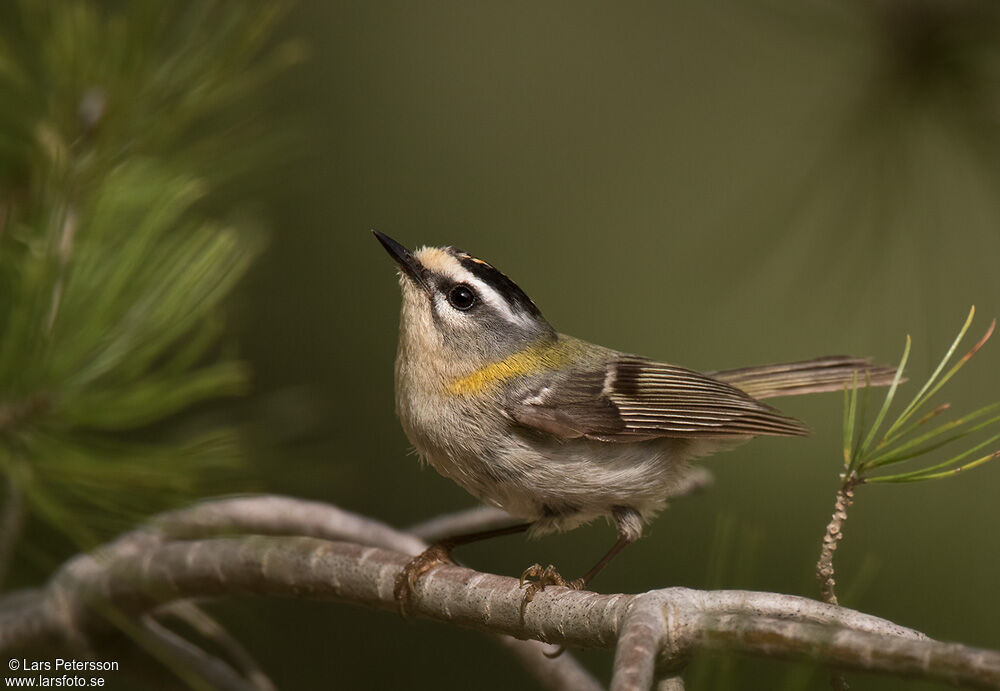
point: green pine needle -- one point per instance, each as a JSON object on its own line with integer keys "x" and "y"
{"x": 927, "y": 391}
{"x": 889, "y": 396}
{"x": 903, "y": 440}
{"x": 931, "y": 472}
{"x": 912, "y": 448}
{"x": 120, "y": 127}
{"x": 850, "y": 410}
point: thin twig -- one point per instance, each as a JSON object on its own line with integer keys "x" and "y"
{"x": 825, "y": 572}
{"x": 197, "y": 619}
{"x": 562, "y": 673}
{"x": 471, "y": 520}
{"x": 834, "y": 533}
{"x": 182, "y": 653}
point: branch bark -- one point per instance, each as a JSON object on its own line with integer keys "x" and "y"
{"x": 655, "y": 632}
{"x": 276, "y": 515}
{"x": 825, "y": 572}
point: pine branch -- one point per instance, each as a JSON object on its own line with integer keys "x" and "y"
{"x": 122, "y": 125}
{"x": 905, "y": 440}
{"x": 654, "y": 632}
{"x": 276, "y": 515}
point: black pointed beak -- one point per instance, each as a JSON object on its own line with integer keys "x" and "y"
{"x": 409, "y": 264}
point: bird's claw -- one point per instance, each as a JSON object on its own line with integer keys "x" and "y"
{"x": 545, "y": 576}
{"x": 406, "y": 580}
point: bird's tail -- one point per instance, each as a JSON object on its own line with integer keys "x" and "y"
{"x": 831, "y": 373}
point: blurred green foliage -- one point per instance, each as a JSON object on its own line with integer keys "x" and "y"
{"x": 120, "y": 123}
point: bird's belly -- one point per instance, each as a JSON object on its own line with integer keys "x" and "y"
{"x": 560, "y": 484}
{"x": 557, "y": 483}
{"x": 573, "y": 481}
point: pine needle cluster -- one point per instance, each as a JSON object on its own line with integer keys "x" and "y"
{"x": 120, "y": 123}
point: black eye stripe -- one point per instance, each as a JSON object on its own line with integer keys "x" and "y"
{"x": 506, "y": 288}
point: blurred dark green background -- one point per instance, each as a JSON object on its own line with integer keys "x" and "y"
{"x": 712, "y": 184}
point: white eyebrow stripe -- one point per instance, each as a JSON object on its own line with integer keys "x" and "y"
{"x": 459, "y": 273}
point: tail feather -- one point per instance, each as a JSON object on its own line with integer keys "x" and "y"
{"x": 831, "y": 373}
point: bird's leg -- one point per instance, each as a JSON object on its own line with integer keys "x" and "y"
{"x": 549, "y": 576}
{"x": 629, "y": 524}
{"x": 440, "y": 553}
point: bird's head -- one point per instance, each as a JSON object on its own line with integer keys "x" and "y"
{"x": 460, "y": 308}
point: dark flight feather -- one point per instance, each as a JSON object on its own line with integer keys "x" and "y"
{"x": 631, "y": 398}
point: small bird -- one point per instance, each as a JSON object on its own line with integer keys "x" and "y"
{"x": 557, "y": 431}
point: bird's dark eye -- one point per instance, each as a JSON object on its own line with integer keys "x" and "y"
{"x": 462, "y": 297}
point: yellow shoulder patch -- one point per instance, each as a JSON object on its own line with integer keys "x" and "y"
{"x": 534, "y": 358}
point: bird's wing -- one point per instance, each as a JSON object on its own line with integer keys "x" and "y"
{"x": 628, "y": 398}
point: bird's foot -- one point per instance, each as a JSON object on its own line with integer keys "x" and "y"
{"x": 544, "y": 577}
{"x": 406, "y": 580}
